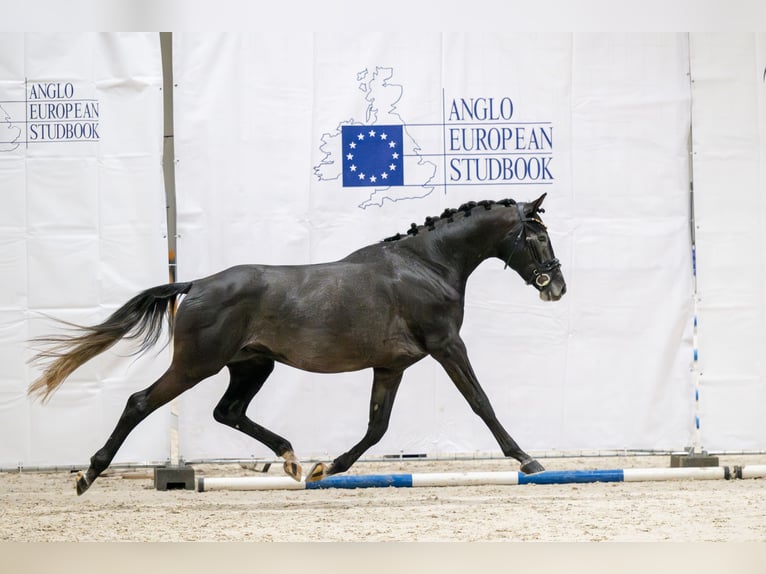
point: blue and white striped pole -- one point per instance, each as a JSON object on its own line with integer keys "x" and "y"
{"x": 696, "y": 376}
{"x": 482, "y": 478}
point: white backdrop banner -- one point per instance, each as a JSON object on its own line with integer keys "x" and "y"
{"x": 599, "y": 122}
{"x": 729, "y": 94}
{"x": 81, "y": 230}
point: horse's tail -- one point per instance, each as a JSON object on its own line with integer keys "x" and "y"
{"x": 141, "y": 317}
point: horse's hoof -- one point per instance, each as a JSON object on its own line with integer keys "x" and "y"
{"x": 532, "y": 467}
{"x": 317, "y": 472}
{"x": 293, "y": 469}
{"x": 81, "y": 482}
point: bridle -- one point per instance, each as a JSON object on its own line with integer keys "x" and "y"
{"x": 538, "y": 272}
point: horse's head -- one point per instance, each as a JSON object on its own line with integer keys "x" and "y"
{"x": 528, "y": 250}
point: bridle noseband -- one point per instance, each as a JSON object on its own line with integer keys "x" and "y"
{"x": 541, "y": 271}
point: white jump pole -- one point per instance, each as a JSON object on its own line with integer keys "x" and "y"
{"x": 482, "y": 478}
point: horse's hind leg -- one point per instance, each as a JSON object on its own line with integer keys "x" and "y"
{"x": 384, "y": 386}
{"x": 247, "y": 378}
{"x": 137, "y": 408}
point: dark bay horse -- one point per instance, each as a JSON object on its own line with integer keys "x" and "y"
{"x": 384, "y": 307}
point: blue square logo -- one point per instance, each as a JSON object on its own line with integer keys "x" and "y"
{"x": 372, "y": 156}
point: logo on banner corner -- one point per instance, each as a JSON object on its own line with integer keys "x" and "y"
{"x": 10, "y": 133}
{"x": 50, "y": 113}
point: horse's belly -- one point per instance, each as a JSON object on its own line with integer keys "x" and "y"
{"x": 334, "y": 321}
{"x": 352, "y": 351}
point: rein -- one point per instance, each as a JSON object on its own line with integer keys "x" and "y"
{"x": 541, "y": 271}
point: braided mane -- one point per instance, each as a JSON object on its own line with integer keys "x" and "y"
{"x": 449, "y": 214}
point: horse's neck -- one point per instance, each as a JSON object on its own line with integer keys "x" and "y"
{"x": 463, "y": 246}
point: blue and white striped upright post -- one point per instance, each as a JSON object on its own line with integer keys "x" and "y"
{"x": 696, "y": 376}
{"x": 696, "y": 455}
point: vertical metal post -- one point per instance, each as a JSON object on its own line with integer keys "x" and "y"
{"x": 696, "y": 455}
{"x": 697, "y": 446}
{"x": 168, "y": 152}
{"x": 176, "y": 474}
{"x": 168, "y": 168}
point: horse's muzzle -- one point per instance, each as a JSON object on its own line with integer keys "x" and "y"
{"x": 554, "y": 290}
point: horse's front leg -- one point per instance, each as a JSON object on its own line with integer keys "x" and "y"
{"x": 384, "y": 386}
{"x": 453, "y": 357}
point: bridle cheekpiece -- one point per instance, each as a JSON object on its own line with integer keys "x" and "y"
{"x": 537, "y": 273}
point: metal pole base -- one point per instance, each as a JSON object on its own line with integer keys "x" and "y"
{"x": 174, "y": 478}
{"x": 688, "y": 460}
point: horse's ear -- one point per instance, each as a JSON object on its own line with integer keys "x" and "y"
{"x": 534, "y": 206}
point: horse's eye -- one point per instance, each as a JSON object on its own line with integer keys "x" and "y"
{"x": 541, "y": 238}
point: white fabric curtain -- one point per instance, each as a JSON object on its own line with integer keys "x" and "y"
{"x": 729, "y": 113}
{"x": 82, "y": 229}
{"x": 599, "y": 122}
